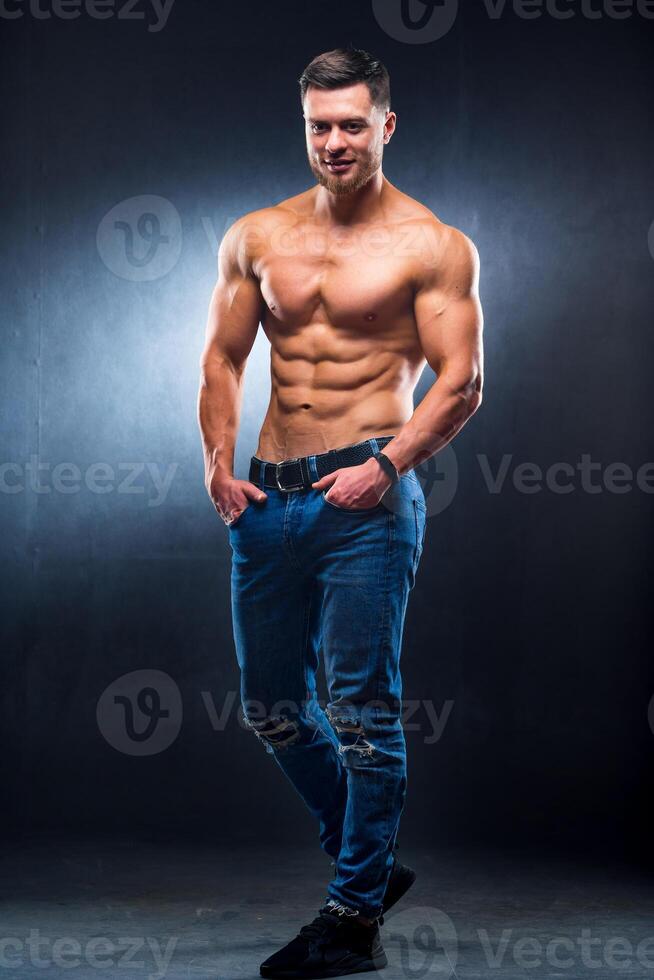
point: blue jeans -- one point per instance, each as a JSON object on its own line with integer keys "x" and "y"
{"x": 308, "y": 576}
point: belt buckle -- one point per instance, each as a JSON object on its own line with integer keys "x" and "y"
{"x": 282, "y": 462}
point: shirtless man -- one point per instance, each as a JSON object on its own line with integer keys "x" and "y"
{"x": 356, "y": 285}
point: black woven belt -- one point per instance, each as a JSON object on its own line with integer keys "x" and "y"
{"x": 294, "y": 474}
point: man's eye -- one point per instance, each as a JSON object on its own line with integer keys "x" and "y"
{"x": 353, "y": 128}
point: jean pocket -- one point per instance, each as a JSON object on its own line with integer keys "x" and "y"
{"x": 239, "y": 519}
{"x": 420, "y": 518}
{"x": 418, "y": 492}
{"x": 351, "y": 510}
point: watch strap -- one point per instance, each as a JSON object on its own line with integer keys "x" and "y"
{"x": 387, "y": 465}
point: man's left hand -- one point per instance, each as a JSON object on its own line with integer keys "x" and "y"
{"x": 356, "y": 487}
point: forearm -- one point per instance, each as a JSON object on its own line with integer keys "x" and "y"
{"x": 441, "y": 414}
{"x": 219, "y": 407}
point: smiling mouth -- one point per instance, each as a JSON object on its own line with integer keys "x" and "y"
{"x": 337, "y": 166}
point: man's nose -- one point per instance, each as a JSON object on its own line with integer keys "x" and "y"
{"x": 336, "y": 142}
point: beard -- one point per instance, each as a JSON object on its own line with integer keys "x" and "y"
{"x": 341, "y": 185}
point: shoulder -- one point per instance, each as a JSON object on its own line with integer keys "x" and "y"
{"x": 458, "y": 255}
{"x": 244, "y": 230}
{"x": 443, "y": 253}
{"x": 439, "y": 249}
{"x": 249, "y": 235}
{"x": 443, "y": 243}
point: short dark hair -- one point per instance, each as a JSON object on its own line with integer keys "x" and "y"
{"x": 347, "y": 66}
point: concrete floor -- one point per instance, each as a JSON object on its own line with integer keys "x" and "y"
{"x": 121, "y": 909}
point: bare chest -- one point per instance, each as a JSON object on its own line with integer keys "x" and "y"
{"x": 345, "y": 281}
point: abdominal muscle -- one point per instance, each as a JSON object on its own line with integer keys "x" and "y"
{"x": 329, "y": 392}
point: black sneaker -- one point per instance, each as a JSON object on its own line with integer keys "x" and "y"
{"x": 331, "y": 946}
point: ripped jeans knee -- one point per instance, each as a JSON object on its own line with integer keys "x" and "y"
{"x": 365, "y": 732}
{"x": 276, "y": 732}
{"x": 280, "y": 725}
{"x": 351, "y": 735}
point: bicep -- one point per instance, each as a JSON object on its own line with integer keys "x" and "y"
{"x": 448, "y": 312}
{"x": 450, "y": 333}
{"x": 235, "y": 308}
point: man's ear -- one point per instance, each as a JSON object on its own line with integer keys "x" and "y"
{"x": 392, "y": 118}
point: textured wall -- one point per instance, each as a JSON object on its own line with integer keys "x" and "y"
{"x": 530, "y": 613}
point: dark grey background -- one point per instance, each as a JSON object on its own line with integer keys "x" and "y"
{"x": 532, "y": 610}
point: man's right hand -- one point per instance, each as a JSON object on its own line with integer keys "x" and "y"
{"x": 231, "y": 497}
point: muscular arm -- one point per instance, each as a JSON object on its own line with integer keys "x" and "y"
{"x": 234, "y": 315}
{"x": 450, "y": 323}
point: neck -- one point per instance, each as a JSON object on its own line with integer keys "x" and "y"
{"x": 349, "y": 209}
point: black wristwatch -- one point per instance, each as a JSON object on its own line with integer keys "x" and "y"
{"x": 387, "y": 466}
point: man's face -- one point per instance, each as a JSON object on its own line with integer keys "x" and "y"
{"x": 345, "y": 136}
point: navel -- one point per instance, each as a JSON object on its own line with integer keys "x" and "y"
{"x": 370, "y": 316}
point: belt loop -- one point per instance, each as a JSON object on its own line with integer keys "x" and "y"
{"x": 373, "y": 443}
